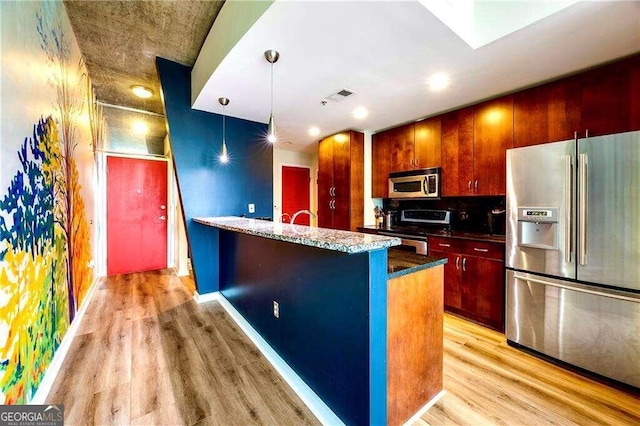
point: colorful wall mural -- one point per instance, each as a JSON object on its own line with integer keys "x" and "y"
{"x": 50, "y": 126}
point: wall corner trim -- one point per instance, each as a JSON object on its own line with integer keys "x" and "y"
{"x": 306, "y": 394}
{"x": 58, "y": 358}
{"x": 206, "y": 297}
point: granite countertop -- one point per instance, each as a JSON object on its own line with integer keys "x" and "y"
{"x": 402, "y": 262}
{"x": 476, "y": 236}
{"x": 330, "y": 239}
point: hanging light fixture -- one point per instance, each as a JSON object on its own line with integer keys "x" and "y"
{"x": 224, "y": 157}
{"x": 272, "y": 57}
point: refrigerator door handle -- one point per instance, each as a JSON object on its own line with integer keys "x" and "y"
{"x": 582, "y": 234}
{"x": 579, "y": 290}
{"x": 568, "y": 176}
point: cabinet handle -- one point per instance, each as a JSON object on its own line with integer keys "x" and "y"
{"x": 586, "y": 134}
{"x": 476, "y": 185}
{"x": 481, "y": 250}
{"x": 464, "y": 264}
{"x": 457, "y": 263}
{"x": 469, "y": 185}
{"x": 415, "y": 162}
{"x": 444, "y": 245}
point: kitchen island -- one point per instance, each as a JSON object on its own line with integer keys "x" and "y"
{"x": 326, "y": 302}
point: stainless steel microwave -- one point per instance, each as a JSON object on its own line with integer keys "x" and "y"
{"x": 419, "y": 183}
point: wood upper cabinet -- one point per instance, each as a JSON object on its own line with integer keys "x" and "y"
{"x": 611, "y": 98}
{"x": 547, "y": 113}
{"x": 427, "y": 143}
{"x": 492, "y": 136}
{"x": 457, "y": 152}
{"x": 401, "y": 148}
{"x": 380, "y": 165}
{"x": 341, "y": 181}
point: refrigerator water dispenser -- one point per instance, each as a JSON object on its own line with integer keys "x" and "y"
{"x": 538, "y": 227}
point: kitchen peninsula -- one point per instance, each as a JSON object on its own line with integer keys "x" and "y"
{"x": 359, "y": 322}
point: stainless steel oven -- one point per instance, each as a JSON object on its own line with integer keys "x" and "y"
{"x": 420, "y": 183}
{"x": 409, "y": 242}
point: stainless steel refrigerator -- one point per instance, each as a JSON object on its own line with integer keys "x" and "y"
{"x": 573, "y": 252}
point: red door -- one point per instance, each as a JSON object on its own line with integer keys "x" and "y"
{"x": 136, "y": 215}
{"x": 295, "y": 193}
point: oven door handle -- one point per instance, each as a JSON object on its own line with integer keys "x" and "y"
{"x": 420, "y": 246}
{"x": 402, "y": 236}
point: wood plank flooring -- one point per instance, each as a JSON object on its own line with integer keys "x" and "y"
{"x": 488, "y": 382}
{"x": 147, "y": 354}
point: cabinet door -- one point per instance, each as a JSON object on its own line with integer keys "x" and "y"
{"x": 547, "y": 113}
{"x": 457, "y": 152}
{"x": 380, "y": 165}
{"x": 402, "y": 148}
{"x": 492, "y": 136}
{"x": 610, "y": 100}
{"x": 427, "y": 143}
{"x": 342, "y": 181}
{"x": 452, "y": 294}
{"x": 325, "y": 182}
{"x": 484, "y": 280}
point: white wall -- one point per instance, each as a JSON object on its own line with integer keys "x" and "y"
{"x": 296, "y": 159}
{"x": 369, "y": 203}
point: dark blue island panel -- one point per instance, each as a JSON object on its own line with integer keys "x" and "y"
{"x": 332, "y": 324}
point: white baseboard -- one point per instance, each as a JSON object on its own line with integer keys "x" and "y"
{"x": 58, "y": 358}
{"x": 306, "y": 394}
{"x": 207, "y": 297}
{"x": 424, "y": 408}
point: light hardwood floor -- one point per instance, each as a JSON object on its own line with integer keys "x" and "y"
{"x": 146, "y": 353}
{"x": 488, "y": 382}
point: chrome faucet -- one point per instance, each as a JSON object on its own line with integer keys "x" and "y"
{"x": 293, "y": 218}
{"x": 282, "y": 217}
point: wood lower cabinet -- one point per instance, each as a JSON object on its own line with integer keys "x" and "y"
{"x": 341, "y": 181}
{"x": 473, "y": 279}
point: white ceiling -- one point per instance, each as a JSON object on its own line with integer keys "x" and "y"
{"x": 385, "y": 51}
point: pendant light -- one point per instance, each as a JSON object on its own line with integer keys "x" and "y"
{"x": 272, "y": 57}
{"x": 224, "y": 157}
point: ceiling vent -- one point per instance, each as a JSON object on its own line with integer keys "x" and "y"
{"x": 340, "y": 95}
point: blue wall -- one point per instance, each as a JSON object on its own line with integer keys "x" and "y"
{"x": 208, "y": 188}
{"x": 332, "y": 325}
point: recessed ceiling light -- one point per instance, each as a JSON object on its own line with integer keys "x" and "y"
{"x": 140, "y": 127}
{"x": 438, "y": 81}
{"x": 142, "y": 92}
{"x": 360, "y": 113}
{"x": 314, "y": 131}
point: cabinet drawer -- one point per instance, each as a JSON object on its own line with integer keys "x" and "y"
{"x": 483, "y": 249}
{"x": 447, "y": 245}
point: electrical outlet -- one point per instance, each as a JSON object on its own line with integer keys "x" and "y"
{"x": 252, "y": 208}
{"x": 276, "y": 309}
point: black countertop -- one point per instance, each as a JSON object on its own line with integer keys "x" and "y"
{"x": 400, "y": 262}
{"x": 475, "y": 236}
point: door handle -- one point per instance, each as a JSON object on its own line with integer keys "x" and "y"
{"x": 464, "y": 264}
{"x": 568, "y": 194}
{"x": 584, "y": 182}
{"x": 457, "y": 263}
{"x": 163, "y": 217}
{"x": 162, "y": 207}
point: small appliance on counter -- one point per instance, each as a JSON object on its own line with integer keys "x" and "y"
{"x": 496, "y": 220}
